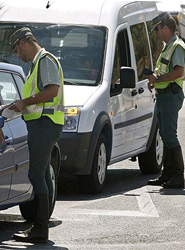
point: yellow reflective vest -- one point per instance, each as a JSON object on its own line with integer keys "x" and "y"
{"x": 54, "y": 108}
{"x": 163, "y": 63}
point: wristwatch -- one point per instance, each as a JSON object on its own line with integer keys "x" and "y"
{"x": 157, "y": 79}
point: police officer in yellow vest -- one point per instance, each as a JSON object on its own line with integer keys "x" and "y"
{"x": 168, "y": 82}
{"x": 43, "y": 112}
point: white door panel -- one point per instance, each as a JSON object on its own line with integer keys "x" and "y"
{"x": 124, "y": 114}
{"x": 145, "y": 107}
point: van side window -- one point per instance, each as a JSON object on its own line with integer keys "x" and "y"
{"x": 155, "y": 43}
{"x": 122, "y": 56}
{"x": 141, "y": 48}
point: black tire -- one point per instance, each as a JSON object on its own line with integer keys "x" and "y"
{"x": 94, "y": 183}
{"x": 150, "y": 162}
{"x": 27, "y": 208}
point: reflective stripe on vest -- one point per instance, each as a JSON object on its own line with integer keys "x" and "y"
{"x": 163, "y": 63}
{"x": 54, "y": 108}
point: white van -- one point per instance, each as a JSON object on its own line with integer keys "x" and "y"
{"x": 181, "y": 19}
{"x": 103, "y": 46}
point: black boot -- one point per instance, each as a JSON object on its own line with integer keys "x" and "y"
{"x": 38, "y": 233}
{"x": 166, "y": 173}
{"x": 177, "y": 179}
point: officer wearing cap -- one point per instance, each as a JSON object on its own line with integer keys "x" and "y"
{"x": 43, "y": 112}
{"x": 167, "y": 80}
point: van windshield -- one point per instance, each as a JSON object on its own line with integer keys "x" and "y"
{"x": 79, "y": 49}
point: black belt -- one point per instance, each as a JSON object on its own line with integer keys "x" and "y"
{"x": 162, "y": 91}
{"x": 173, "y": 86}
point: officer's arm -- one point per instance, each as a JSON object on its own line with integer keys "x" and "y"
{"x": 176, "y": 73}
{"x": 49, "y": 92}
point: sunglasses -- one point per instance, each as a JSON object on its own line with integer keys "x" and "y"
{"x": 156, "y": 28}
{"x": 161, "y": 26}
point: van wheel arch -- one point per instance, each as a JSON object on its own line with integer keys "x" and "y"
{"x": 150, "y": 162}
{"x": 101, "y": 140}
{"x": 102, "y": 125}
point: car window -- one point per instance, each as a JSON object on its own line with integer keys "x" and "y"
{"x": 122, "y": 56}
{"x": 8, "y": 90}
{"x": 155, "y": 43}
{"x": 141, "y": 49}
{"x": 19, "y": 82}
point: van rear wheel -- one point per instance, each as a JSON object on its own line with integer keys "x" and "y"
{"x": 95, "y": 182}
{"x": 150, "y": 162}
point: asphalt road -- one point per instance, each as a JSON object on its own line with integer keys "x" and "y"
{"x": 128, "y": 215}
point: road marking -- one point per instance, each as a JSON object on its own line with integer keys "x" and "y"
{"x": 145, "y": 204}
{"x": 106, "y": 212}
{"x": 144, "y": 201}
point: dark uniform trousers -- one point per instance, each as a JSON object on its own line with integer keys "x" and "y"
{"x": 167, "y": 107}
{"x": 169, "y": 102}
{"x": 42, "y": 135}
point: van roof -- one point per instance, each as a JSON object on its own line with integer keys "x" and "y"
{"x": 90, "y": 12}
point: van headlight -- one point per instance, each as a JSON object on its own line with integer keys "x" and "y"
{"x": 71, "y": 119}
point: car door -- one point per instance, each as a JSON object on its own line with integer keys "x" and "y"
{"x": 20, "y": 182}
{"x": 12, "y": 84}
{"x": 146, "y": 57}
{"x": 145, "y": 99}
{"x": 6, "y": 163}
{"x": 122, "y": 102}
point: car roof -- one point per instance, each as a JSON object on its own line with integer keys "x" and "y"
{"x": 12, "y": 68}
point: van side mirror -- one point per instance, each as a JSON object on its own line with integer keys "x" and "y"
{"x": 127, "y": 77}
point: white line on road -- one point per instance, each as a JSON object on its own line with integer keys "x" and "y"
{"x": 144, "y": 201}
{"x": 145, "y": 204}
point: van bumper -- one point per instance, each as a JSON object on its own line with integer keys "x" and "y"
{"x": 74, "y": 153}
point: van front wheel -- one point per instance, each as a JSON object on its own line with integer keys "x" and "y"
{"x": 94, "y": 182}
{"x": 150, "y": 162}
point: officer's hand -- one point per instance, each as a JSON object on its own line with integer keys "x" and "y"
{"x": 150, "y": 86}
{"x": 151, "y": 81}
{"x": 17, "y": 106}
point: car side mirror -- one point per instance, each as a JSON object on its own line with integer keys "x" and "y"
{"x": 1, "y": 121}
{"x": 127, "y": 77}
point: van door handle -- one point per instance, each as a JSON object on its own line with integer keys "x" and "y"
{"x": 134, "y": 92}
{"x": 8, "y": 140}
{"x": 141, "y": 90}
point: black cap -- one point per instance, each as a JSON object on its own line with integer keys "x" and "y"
{"x": 19, "y": 34}
{"x": 160, "y": 18}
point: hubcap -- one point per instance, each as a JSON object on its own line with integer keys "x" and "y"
{"x": 53, "y": 181}
{"x": 159, "y": 148}
{"x": 102, "y": 163}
